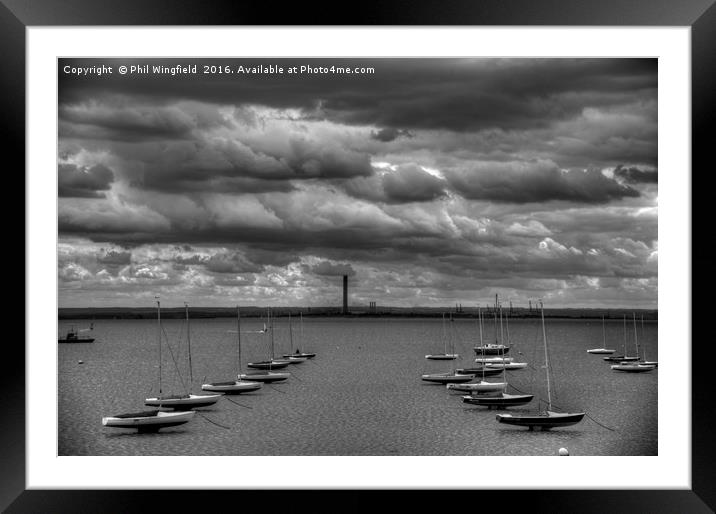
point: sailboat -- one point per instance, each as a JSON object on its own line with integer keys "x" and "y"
{"x": 149, "y": 420}
{"x": 625, "y": 357}
{"x": 272, "y": 362}
{"x": 73, "y": 336}
{"x": 293, "y": 359}
{"x": 482, "y": 386}
{"x": 450, "y": 377}
{"x": 548, "y": 419}
{"x": 265, "y": 374}
{"x": 234, "y": 386}
{"x": 445, "y": 356}
{"x": 495, "y": 348}
{"x": 503, "y": 364}
{"x": 297, "y": 352}
{"x": 637, "y": 366}
{"x": 603, "y": 350}
{"x": 643, "y": 360}
{"x": 186, "y": 401}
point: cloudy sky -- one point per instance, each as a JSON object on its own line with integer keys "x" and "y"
{"x": 429, "y": 182}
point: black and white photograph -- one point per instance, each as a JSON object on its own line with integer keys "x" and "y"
{"x": 357, "y": 256}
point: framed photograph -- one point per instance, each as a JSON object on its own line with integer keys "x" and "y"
{"x": 386, "y": 256}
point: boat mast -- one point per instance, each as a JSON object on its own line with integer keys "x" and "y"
{"x": 636, "y": 341}
{"x": 290, "y": 331}
{"x": 502, "y": 332}
{"x": 159, "y": 333}
{"x": 625, "y": 352}
{"x": 496, "y": 342}
{"x": 270, "y": 320}
{"x": 479, "y": 316}
{"x": 188, "y": 338}
{"x": 604, "y": 334}
{"x": 444, "y": 336}
{"x": 238, "y": 334}
{"x": 642, "y": 337}
{"x": 546, "y": 359}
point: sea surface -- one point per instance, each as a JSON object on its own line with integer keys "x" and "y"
{"x": 361, "y": 395}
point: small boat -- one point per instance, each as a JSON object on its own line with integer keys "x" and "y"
{"x": 491, "y": 349}
{"x": 506, "y": 365}
{"x": 73, "y": 336}
{"x": 292, "y": 359}
{"x": 485, "y": 372}
{"x": 496, "y": 348}
{"x": 264, "y": 376}
{"x": 445, "y": 356}
{"x": 498, "y": 401}
{"x": 633, "y": 367}
{"x": 603, "y": 350}
{"x": 446, "y": 378}
{"x": 643, "y": 359}
{"x": 442, "y": 356}
{"x": 148, "y": 421}
{"x": 298, "y": 353}
{"x": 452, "y": 376}
{"x": 544, "y": 421}
{"x": 625, "y": 357}
{"x": 487, "y": 360}
{"x": 479, "y": 387}
{"x": 491, "y": 394}
{"x": 548, "y": 419}
{"x": 638, "y": 366}
{"x": 272, "y": 364}
{"x": 234, "y": 386}
{"x": 184, "y": 401}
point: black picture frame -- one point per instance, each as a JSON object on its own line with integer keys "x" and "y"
{"x": 700, "y": 15}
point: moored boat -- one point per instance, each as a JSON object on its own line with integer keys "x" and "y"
{"x": 548, "y": 419}
{"x": 235, "y": 386}
{"x": 264, "y": 376}
{"x": 446, "y": 378}
{"x": 148, "y": 421}
{"x": 498, "y": 401}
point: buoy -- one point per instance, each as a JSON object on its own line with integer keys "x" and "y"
{"x": 80, "y": 361}
{"x": 563, "y": 451}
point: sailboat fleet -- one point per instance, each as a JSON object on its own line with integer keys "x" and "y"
{"x": 177, "y": 409}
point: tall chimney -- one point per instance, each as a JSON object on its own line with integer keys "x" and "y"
{"x": 345, "y": 294}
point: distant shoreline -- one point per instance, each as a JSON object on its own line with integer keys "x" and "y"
{"x": 355, "y": 312}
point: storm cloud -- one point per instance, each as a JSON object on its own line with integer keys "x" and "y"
{"x": 431, "y": 181}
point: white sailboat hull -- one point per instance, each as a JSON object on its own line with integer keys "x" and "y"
{"x": 601, "y": 351}
{"x": 150, "y": 421}
{"x": 232, "y": 387}
{"x": 486, "y": 360}
{"x": 506, "y": 365}
{"x": 190, "y": 401}
{"x": 479, "y": 387}
{"x": 442, "y": 356}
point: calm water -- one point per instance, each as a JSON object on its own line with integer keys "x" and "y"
{"x": 361, "y": 395}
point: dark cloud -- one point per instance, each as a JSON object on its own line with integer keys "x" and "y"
{"x": 330, "y": 269}
{"x": 410, "y": 183}
{"x": 634, "y": 175}
{"x": 231, "y": 263}
{"x": 406, "y": 183}
{"x": 389, "y": 134}
{"x": 453, "y": 94}
{"x": 536, "y": 181}
{"x": 273, "y": 183}
{"x": 82, "y": 182}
